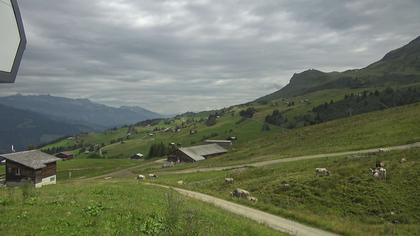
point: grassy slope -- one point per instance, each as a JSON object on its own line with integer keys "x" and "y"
{"x": 384, "y": 128}
{"x": 228, "y": 125}
{"x": 349, "y": 201}
{"x": 107, "y": 208}
{"x": 85, "y": 168}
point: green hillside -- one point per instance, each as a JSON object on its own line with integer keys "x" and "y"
{"x": 114, "y": 208}
{"x": 349, "y": 201}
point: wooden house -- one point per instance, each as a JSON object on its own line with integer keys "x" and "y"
{"x": 196, "y": 153}
{"x": 33, "y": 167}
{"x": 65, "y": 155}
{"x": 137, "y": 156}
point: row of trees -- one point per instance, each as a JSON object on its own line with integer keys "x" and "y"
{"x": 160, "y": 150}
{"x": 352, "y": 104}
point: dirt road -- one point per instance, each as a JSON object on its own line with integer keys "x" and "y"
{"x": 275, "y": 222}
{"x": 299, "y": 158}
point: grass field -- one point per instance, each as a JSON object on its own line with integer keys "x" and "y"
{"x": 109, "y": 208}
{"x": 350, "y": 201}
{"x": 85, "y": 168}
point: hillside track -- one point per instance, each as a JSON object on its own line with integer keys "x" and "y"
{"x": 275, "y": 222}
{"x": 298, "y": 158}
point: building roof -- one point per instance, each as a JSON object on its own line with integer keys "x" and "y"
{"x": 33, "y": 159}
{"x": 197, "y": 153}
{"x": 218, "y": 141}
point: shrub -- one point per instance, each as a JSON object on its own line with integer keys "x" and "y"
{"x": 248, "y": 113}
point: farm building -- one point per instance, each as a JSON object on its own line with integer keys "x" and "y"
{"x": 137, "y": 156}
{"x": 223, "y": 143}
{"x": 34, "y": 166}
{"x": 65, "y": 155}
{"x": 196, "y": 153}
{"x": 2, "y": 161}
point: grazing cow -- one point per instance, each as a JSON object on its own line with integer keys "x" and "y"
{"x": 322, "y": 172}
{"x": 229, "y": 180}
{"x": 240, "y": 193}
{"x": 403, "y": 160}
{"x": 141, "y": 177}
{"x": 379, "y": 173}
{"x": 168, "y": 164}
{"x": 180, "y": 182}
{"x": 253, "y": 199}
{"x": 153, "y": 176}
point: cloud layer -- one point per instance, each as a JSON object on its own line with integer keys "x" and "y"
{"x": 176, "y": 56}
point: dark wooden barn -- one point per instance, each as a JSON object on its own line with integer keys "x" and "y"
{"x": 33, "y": 167}
{"x": 65, "y": 155}
{"x": 196, "y": 153}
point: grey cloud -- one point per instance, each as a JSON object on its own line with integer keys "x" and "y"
{"x": 175, "y": 56}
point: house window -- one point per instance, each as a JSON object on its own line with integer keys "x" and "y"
{"x": 18, "y": 172}
{"x": 52, "y": 179}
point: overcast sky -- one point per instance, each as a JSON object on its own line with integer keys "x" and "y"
{"x": 177, "y": 56}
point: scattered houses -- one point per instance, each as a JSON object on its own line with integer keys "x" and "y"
{"x": 33, "y": 167}
{"x": 196, "y": 153}
{"x": 223, "y": 143}
{"x": 65, "y": 156}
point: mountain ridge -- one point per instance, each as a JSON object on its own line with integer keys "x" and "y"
{"x": 79, "y": 111}
{"x": 399, "y": 66}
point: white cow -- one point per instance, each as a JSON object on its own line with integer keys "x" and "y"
{"x": 322, "y": 172}
{"x": 253, "y": 199}
{"x": 141, "y": 177}
{"x": 153, "y": 176}
{"x": 379, "y": 173}
{"x": 229, "y": 180}
{"x": 240, "y": 193}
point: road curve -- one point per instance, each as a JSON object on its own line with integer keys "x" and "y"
{"x": 299, "y": 158}
{"x": 275, "y": 222}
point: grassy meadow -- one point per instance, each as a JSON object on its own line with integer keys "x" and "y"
{"x": 114, "y": 208}
{"x": 85, "y": 168}
{"x": 349, "y": 201}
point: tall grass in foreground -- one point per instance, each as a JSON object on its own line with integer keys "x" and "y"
{"x": 114, "y": 208}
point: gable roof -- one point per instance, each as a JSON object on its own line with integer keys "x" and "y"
{"x": 197, "y": 153}
{"x": 217, "y": 141}
{"x": 33, "y": 159}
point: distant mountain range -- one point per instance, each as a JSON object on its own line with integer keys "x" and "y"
{"x": 398, "y": 67}
{"x": 32, "y": 120}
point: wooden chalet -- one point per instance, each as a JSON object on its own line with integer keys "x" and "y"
{"x": 196, "y": 153}
{"x": 65, "y": 155}
{"x": 34, "y": 167}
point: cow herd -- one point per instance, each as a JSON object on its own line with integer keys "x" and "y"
{"x": 150, "y": 176}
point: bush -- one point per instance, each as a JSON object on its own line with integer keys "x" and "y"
{"x": 157, "y": 150}
{"x": 265, "y": 127}
{"x": 248, "y": 113}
